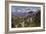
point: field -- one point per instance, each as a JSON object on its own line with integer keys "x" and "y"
{"x": 26, "y": 21}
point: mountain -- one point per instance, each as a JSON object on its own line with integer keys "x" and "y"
{"x": 23, "y": 14}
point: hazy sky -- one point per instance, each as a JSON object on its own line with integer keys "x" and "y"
{"x": 24, "y": 8}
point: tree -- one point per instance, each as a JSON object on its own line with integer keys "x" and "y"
{"x": 36, "y": 19}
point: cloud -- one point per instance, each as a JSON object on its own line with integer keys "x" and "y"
{"x": 18, "y": 10}
{"x": 23, "y": 9}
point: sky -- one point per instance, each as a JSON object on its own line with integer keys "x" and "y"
{"x": 24, "y": 9}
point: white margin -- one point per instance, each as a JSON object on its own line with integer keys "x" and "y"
{"x": 29, "y": 28}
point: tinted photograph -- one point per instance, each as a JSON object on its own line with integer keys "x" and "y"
{"x": 25, "y": 16}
